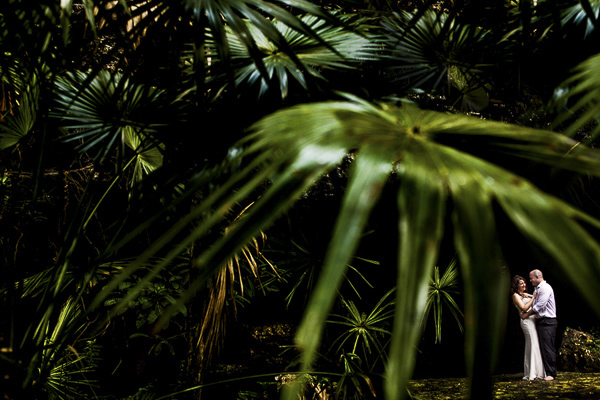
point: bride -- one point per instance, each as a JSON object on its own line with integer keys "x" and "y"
{"x": 534, "y": 367}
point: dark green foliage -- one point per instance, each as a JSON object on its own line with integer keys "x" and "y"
{"x": 146, "y": 147}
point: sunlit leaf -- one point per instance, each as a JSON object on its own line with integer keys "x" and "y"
{"x": 295, "y": 55}
{"x": 577, "y": 100}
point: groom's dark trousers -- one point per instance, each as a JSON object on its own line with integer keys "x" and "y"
{"x": 546, "y": 329}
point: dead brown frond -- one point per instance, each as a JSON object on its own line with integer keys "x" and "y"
{"x": 224, "y": 286}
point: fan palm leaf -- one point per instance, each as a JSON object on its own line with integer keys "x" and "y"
{"x": 190, "y": 21}
{"x": 27, "y": 51}
{"x": 234, "y": 12}
{"x": 336, "y": 48}
{"x": 584, "y": 12}
{"x": 57, "y": 366}
{"x": 20, "y": 122}
{"x": 149, "y": 153}
{"x": 30, "y": 49}
{"x": 105, "y": 111}
{"x": 430, "y": 49}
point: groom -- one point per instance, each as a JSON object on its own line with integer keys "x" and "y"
{"x": 544, "y": 308}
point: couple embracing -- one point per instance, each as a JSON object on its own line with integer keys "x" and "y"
{"x": 538, "y": 322}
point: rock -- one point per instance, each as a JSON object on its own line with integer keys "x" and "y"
{"x": 579, "y": 352}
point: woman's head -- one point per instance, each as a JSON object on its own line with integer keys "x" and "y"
{"x": 516, "y": 283}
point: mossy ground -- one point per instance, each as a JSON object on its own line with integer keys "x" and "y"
{"x": 567, "y": 386}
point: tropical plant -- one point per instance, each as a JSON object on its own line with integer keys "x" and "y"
{"x": 73, "y": 374}
{"x": 362, "y": 344}
{"x": 433, "y": 49}
{"x": 239, "y": 281}
{"x": 299, "y": 257}
{"x": 418, "y": 145}
{"x": 84, "y": 101}
{"x": 90, "y": 89}
{"x": 440, "y": 296}
{"x": 61, "y": 371}
{"x": 577, "y": 101}
{"x": 331, "y": 47}
{"x": 101, "y": 104}
{"x": 155, "y": 297}
{"x": 366, "y": 335}
{"x": 354, "y": 382}
{"x": 583, "y": 12}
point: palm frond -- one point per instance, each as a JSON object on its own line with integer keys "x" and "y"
{"x": 583, "y": 12}
{"x": 61, "y": 370}
{"x": 440, "y": 296}
{"x": 302, "y": 58}
{"x": 299, "y": 261}
{"x": 223, "y": 286}
{"x": 229, "y": 20}
{"x": 104, "y": 109}
{"x": 366, "y": 331}
{"x": 577, "y": 100}
{"x": 431, "y": 49}
{"x": 20, "y": 121}
{"x": 149, "y": 151}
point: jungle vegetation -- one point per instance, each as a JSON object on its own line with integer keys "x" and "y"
{"x": 164, "y": 165}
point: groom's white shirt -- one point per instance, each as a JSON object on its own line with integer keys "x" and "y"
{"x": 544, "y": 305}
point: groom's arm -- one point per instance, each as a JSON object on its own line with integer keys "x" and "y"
{"x": 527, "y": 314}
{"x": 541, "y": 302}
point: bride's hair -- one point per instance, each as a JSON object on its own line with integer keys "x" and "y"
{"x": 514, "y": 284}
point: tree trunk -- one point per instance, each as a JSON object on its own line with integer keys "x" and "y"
{"x": 196, "y": 360}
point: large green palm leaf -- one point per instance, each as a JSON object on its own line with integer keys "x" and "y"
{"x": 293, "y": 147}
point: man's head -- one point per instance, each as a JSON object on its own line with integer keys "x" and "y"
{"x": 536, "y": 277}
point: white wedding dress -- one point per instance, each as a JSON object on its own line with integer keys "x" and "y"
{"x": 533, "y": 364}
